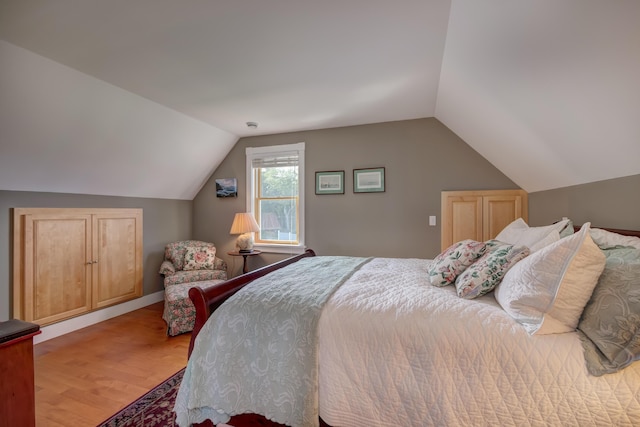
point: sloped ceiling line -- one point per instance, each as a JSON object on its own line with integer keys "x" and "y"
{"x": 119, "y": 93}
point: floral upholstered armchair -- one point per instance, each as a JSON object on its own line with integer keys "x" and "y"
{"x": 186, "y": 264}
{"x": 191, "y": 261}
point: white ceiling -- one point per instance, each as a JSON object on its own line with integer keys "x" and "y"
{"x": 547, "y": 90}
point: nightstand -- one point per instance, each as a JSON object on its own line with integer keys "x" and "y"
{"x": 244, "y": 255}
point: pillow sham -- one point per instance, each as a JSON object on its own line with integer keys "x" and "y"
{"x": 487, "y": 272}
{"x": 548, "y": 290}
{"x": 610, "y": 324}
{"x": 454, "y": 260}
{"x": 535, "y": 238}
{"x": 199, "y": 258}
{"x": 607, "y": 239}
{"x": 567, "y": 230}
{"x": 519, "y": 233}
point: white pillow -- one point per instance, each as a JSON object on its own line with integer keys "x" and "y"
{"x": 518, "y": 233}
{"x": 608, "y": 239}
{"x": 547, "y": 291}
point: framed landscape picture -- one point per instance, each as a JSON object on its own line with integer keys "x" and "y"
{"x": 368, "y": 180}
{"x": 227, "y": 187}
{"x": 330, "y": 182}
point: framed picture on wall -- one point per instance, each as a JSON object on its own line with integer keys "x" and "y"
{"x": 330, "y": 182}
{"x": 227, "y": 187}
{"x": 368, "y": 180}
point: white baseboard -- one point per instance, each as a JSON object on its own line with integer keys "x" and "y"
{"x": 66, "y": 326}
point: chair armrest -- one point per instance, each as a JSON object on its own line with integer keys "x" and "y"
{"x": 167, "y": 268}
{"x": 220, "y": 264}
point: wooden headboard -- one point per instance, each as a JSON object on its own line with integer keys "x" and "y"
{"x": 635, "y": 233}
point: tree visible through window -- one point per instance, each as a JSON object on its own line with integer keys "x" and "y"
{"x": 277, "y": 204}
{"x": 276, "y": 193}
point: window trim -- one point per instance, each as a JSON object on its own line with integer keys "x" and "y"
{"x": 254, "y": 152}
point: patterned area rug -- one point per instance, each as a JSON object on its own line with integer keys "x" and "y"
{"x": 154, "y": 409}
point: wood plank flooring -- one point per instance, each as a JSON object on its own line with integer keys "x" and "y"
{"x": 84, "y": 377}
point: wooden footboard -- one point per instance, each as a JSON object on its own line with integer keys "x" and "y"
{"x": 251, "y": 420}
{"x": 207, "y": 300}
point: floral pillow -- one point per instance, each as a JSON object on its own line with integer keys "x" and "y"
{"x": 454, "y": 260}
{"x": 610, "y": 324}
{"x": 487, "y": 272}
{"x": 199, "y": 258}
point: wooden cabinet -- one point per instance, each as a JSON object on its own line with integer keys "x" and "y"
{"x": 479, "y": 215}
{"x": 71, "y": 261}
{"x": 17, "y": 390}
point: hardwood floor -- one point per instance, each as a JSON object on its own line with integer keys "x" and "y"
{"x": 84, "y": 377}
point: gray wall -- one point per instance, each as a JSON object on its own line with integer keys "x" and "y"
{"x": 612, "y": 203}
{"x": 422, "y": 158}
{"x": 163, "y": 221}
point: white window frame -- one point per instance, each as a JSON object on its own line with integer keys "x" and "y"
{"x": 257, "y": 152}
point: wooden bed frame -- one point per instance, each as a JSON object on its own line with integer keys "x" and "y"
{"x": 206, "y": 301}
{"x": 634, "y": 233}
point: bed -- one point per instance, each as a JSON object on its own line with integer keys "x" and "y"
{"x": 392, "y": 348}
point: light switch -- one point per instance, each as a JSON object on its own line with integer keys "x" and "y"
{"x": 432, "y": 220}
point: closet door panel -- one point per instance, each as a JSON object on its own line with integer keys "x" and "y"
{"x": 466, "y": 213}
{"x": 117, "y": 275}
{"x": 57, "y": 267}
{"x": 461, "y": 218}
{"x": 498, "y": 212}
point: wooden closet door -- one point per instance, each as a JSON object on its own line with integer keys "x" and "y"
{"x": 117, "y": 248}
{"x": 57, "y": 267}
{"x": 479, "y": 215}
{"x": 500, "y": 211}
{"x": 461, "y": 218}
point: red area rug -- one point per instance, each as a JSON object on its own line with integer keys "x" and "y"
{"x": 154, "y": 409}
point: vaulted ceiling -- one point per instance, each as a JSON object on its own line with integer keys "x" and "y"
{"x": 546, "y": 90}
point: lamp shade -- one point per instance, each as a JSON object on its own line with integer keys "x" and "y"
{"x": 244, "y": 223}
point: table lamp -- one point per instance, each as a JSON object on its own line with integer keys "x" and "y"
{"x": 245, "y": 225}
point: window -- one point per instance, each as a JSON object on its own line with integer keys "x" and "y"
{"x": 275, "y": 196}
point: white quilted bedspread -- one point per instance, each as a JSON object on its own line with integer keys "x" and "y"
{"x": 396, "y": 351}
